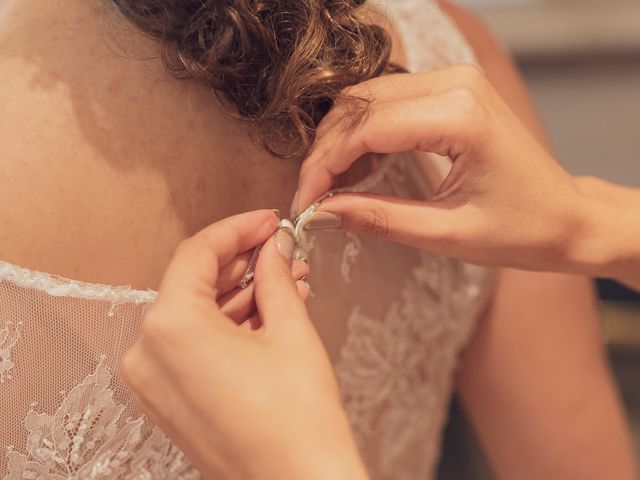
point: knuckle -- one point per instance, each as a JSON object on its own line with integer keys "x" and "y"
{"x": 367, "y": 88}
{"x": 362, "y": 136}
{"x": 471, "y": 75}
{"x": 465, "y": 96}
{"x": 374, "y": 222}
{"x": 470, "y": 106}
{"x": 299, "y": 269}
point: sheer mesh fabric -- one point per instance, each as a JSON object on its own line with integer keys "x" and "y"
{"x": 65, "y": 341}
{"x": 393, "y": 319}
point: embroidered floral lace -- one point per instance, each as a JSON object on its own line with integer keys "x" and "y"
{"x": 393, "y": 319}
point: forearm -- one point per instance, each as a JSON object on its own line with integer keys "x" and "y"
{"x": 609, "y": 243}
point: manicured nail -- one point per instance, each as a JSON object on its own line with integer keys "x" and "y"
{"x": 294, "y": 205}
{"x": 324, "y": 221}
{"x": 285, "y": 243}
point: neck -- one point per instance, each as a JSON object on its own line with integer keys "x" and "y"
{"x": 76, "y": 40}
{"x": 127, "y": 107}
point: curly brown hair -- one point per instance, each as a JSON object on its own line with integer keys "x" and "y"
{"x": 281, "y": 63}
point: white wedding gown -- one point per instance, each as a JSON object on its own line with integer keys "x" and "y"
{"x": 394, "y": 321}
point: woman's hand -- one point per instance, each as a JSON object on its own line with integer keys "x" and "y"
{"x": 249, "y": 403}
{"x": 238, "y": 303}
{"x": 505, "y": 202}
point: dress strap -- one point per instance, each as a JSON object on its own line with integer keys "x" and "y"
{"x": 430, "y": 37}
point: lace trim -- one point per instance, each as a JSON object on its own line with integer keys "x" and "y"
{"x": 350, "y": 256}
{"x": 394, "y": 369}
{"x": 86, "y": 439}
{"x": 431, "y": 38}
{"x": 9, "y": 336}
{"x": 64, "y": 287}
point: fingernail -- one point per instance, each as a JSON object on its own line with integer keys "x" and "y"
{"x": 277, "y": 212}
{"x": 285, "y": 243}
{"x": 324, "y": 221}
{"x": 294, "y": 205}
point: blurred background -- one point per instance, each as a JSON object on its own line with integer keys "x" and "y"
{"x": 581, "y": 61}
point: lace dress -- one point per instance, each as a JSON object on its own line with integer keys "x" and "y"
{"x": 393, "y": 319}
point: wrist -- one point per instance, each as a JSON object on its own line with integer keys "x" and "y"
{"x": 333, "y": 456}
{"x": 606, "y": 244}
{"x": 313, "y": 453}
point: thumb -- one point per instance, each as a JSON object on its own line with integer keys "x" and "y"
{"x": 277, "y": 297}
{"x": 428, "y": 225}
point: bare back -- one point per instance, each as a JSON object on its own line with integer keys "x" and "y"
{"x": 108, "y": 161}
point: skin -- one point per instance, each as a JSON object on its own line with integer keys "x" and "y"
{"x": 141, "y": 160}
{"x": 187, "y": 327}
{"x": 506, "y": 201}
{"x": 534, "y": 380}
{"x": 122, "y": 177}
{"x": 154, "y": 202}
{"x": 531, "y": 423}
